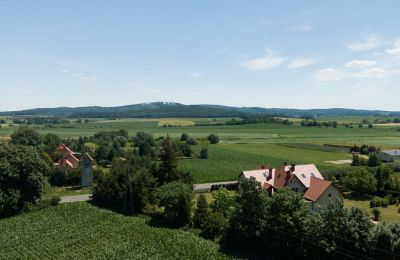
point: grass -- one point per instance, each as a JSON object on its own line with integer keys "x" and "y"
{"x": 82, "y": 231}
{"x": 389, "y": 214}
{"x": 65, "y": 191}
{"x": 174, "y": 122}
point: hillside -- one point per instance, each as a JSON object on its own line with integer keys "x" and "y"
{"x": 82, "y": 231}
{"x": 169, "y": 109}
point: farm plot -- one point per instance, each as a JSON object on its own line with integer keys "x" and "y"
{"x": 82, "y": 231}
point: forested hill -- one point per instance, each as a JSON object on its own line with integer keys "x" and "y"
{"x": 166, "y": 109}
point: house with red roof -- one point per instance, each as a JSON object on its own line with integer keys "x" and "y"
{"x": 303, "y": 179}
{"x": 69, "y": 161}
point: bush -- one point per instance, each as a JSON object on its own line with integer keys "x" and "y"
{"x": 213, "y": 138}
{"x": 201, "y": 212}
{"x": 377, "y": 214}
{"x": 184, "y": 137}
{"x": 214, "y": 225}
{"x": 229, "y": 186}
{"x": 55, "y": 200}
{"x": 191, "y": 141}
{"x": 203, "y": 153}
{"x": 185, "y": 149}
{"x": 176, "y": 198}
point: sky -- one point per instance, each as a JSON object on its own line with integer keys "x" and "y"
{"x": 286, "y": 54}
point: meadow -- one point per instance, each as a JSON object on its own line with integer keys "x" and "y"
{"x": 82, "y": 231}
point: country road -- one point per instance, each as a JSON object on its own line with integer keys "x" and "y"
{"x": 198, "y": 188}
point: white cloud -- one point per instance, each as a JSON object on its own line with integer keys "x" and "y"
{"x": 370, "y": 42}
{"x": 360, "y": 63}
{"x": 267, "y": 62}
{"x": 196, "y": 74}
{"x": 301, "y": 62}
{"x": 328, "y": 74}
{"x": 373, "y": 73}
{"x": 64, "y": 71}
{"x": 305, "y": 27}
{"x": 396, "y": 50}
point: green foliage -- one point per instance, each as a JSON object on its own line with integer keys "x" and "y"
{"x": 184, "y": 137}
{"x": 377, "y": 214}
{"x": 191, "y": 141}
{"x": 128, "y": 186}
{"x": 373, "y": 160}
{"x": 51, "y": 142}
{"x": 26, "y": 136}
{"x": 82, "y": 231}
{"x": 203, "y": 153}
{"x": 387, "y": 241}
{"x": 224, "y": 202}
{"x": 145, "y": 143}
{"x": 360, "y": 181}
{"x": 176, "y": 198}
{"x": 201, "y": 212}
{"x": 169, "y": 162}
{"x": 214, "y": 225}
{"x": 185, "y": 149}
{"x": 22, "y": 173}
{"x": 213, "y": 138}
{"x": 383, "y": 174}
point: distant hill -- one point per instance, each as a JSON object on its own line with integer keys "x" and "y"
{"x": 169, "y": 109}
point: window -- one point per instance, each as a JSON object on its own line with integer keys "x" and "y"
{"x": 302, "y": 175}
{"x": 312, "y": 174}
{"x": 329, "y": 195}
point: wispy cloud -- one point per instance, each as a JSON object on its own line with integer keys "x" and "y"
{"x": 395, "y": 51}
{"x": 360, "y": 63}
{"x": 196, "y": 74}
{"x": 370, "y": 42}
{"x": 373, "y": 73}
{"x": 301, "y": 62}
{"x": 328, "y": 74}
{"x": 269, "y": 61}
{"x": 79, "y": 75}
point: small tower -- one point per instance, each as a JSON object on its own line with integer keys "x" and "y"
{"x": 86, "y": 170}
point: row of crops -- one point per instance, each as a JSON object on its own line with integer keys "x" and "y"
{"x": 82, "y": 231}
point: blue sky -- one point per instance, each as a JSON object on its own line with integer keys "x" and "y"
{"x": 296, "y": 54}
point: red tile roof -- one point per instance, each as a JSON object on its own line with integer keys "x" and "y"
{"x": 317, "y": 187}
{"x": 281, "y": 177}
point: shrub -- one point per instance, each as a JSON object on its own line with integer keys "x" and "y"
{"x": 201, "y": 212}
{"x": 184, "y": 136}
{"x": 191, "y": 141}
{"x": 377, "y": 214}
{"x": 203, "y": 153}
{"x": 214, "y": 225}
{"x": 213, "y": 138}
{"x": 185, "y": 149}
{"x": 55, "y": 200}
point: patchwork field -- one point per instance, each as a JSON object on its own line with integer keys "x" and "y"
{"x": 82, "y": 231}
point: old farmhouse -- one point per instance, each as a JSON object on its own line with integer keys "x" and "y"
{"x": 70, "y": 161}
{"x": 304, "y": 179}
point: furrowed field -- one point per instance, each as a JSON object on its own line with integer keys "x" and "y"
{"x": 82, "y": 231}
{"x": 242, "y": 147}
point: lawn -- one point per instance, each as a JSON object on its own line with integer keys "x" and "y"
{"x": 389, "y": 214}
{"x": 82, "y": 231}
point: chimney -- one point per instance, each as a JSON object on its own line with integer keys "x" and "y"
{"x": 293, "y": 168}
{"x": 263, "y": 167}
{"x": 269, "y": 174}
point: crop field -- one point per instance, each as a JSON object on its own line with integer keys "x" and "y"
{"x": 227, "y": 161}
{"x": 82, "y": 231}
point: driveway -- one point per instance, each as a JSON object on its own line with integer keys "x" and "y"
{"x": 205, "y": 187}
{"x": 75, "y": 198}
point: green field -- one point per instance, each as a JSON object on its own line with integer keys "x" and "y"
{"x": 82, "y": 231}
{"x": 389, "y": 214}
{"x": 242, "y": 146}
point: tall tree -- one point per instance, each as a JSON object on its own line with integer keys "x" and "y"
{"x": 169, "y": 161}
{"x": 25, "y": 135}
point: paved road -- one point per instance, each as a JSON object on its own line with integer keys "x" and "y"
{"x": 205, "y": 187}
{"x": 75, "y": 198}
{"x": 198, "y": 188}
